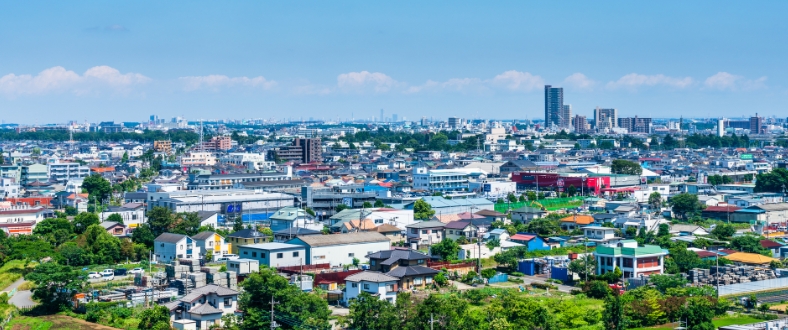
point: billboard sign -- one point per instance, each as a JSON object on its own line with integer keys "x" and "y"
{"x": 347, "y": 201}
{"x": 745, "y": 157}
{"x": 487, "y": 187}
{"x": 560, "y": 182}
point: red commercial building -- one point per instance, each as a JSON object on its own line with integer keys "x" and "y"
{"x": 558, "y": 182}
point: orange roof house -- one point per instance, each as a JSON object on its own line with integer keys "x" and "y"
{"x": 576, "y": 221}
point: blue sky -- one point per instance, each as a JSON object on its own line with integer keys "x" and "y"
{"x": 326, "y": 59}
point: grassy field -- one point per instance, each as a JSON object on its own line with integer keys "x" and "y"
{"x": 53, "y": 322}
{"x": 12, "y": 271}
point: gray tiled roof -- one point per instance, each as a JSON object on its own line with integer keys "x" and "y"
{"x": 169, "y": 238}
{"x": 370, "y": 276}
{"x": 340, "y": 239}
{"x": 411, "y": 271}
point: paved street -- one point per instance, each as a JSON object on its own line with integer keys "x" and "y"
{"x": 20, "y": 298}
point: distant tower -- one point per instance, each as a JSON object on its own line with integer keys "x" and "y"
{"x": 721, "y": 127}
{"x": 381, "y": 116}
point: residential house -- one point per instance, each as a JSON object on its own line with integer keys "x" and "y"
{"x": 525, "y": 214}
{"x": 115, "y": 228}
{"x": 408, "y": 266}
{"x": 576, "y": 221}
{"x": 211, "y": 241}
{"x": 773, "y": 246}
{"x": 426, "y": 233}
{"x": 532, "y": 241}
{"x": 293, "y": 217}
{"x": 633, "y": 260}
{"x": 245, "y": 237}
{"x": 284, "y": 235}
{"x": 274, "y": 254}
{"x": 392, "y": 232}
{"x": 688, "y": 230}
{"x": 205, "y": 306}
{"x": 377, "y": 284}
{"x": 132, "y": 214}
{"x": 341, "y": 249}
{"x": 493, "y": 215}
{"x": 168, "y": 247}
{"x": 600, "y": 234}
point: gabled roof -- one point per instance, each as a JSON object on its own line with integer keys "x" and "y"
{"x": 403, "y": 271}
{"x": 427, "y": 224}
{"x": 769, "y": 244}
{"x": 521, "y": 237}
{"x": 393, "y": 256}
{"x": 170, "y": 238}
{"x": 203, "y": 235}
{"x": 387, "y": 228}
{"x": 579, "y": 219}
{"x": 749, "y": 258}
{"x": 296, "y": 231}
{"x": 341, "y": 239}
{"x": 462, "y": 224}
{"x": 110, "y": 224}
{"x": 247, "y": 233}
{"x": 371, "y": 276}
{"x": 205, "y": 309}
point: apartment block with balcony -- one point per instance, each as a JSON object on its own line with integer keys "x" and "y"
{"x": 633, "y": 260}
{"x": 440, "y": 180}
{"x": 33, "y": 173}
{"x": 62, "y": 172}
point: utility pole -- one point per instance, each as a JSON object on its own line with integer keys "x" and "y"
{"x": 274, "y": 325}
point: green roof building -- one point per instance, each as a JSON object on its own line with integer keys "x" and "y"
{"x": 633, "y": 260}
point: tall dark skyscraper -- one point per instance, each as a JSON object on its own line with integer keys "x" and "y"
{"x": 553, "y": 106}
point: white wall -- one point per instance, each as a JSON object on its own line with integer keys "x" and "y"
{"x": 340, "y": 254}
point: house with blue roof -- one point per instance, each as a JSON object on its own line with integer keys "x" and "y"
{"x": 530, "y": 240}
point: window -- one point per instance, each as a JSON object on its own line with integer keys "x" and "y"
{"x": 262, "y": 254}
{"x": 181, "y": 246}
{"x": 354, "y": 285}
{"x": 210, "y": 243}
{"x": 295, "y": 254}
{"x": 372, "y": 262}
{"x": 351, "y": 255}
{"x": 421, "y": 261}
{"x": 390, "y": 287}
{"x": 366, "y": 286}
{"x": 414, "y": 231}
{"x": 417, "y": 281}
{"x": 425, "y": 232}
{"x": 246, "y": 252}
{"x": 429, "y": 279}
{"x": 280, "y": 255}
{"x": 228, "y": 302}
{"x": 254, "y": 254}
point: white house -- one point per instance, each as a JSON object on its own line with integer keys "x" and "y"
{"x": 168, "y": 247}
{"x": 133, "y": 214}
{"x": 205, "y": 305}
{"x": 375, "y": 283}
{"x": 599, "y": 234}
{"x": 22, "y": 213}
{"x": 426, "y": 233}
{"x": 210, "y": 241}
{"x": 341, "y": 249}
{"x": 633, "y": 260}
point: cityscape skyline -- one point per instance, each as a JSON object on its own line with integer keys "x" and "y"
{"x": 325, "y": 61}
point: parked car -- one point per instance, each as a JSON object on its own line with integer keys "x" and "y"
{"x": 108, "y": 271}
{"x": 120, "y": 271}
{"x": 137, "y": 271}
{"x": 94, "y": 275}
{"x": 228, "y": 256}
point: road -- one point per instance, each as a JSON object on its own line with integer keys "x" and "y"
{"x": 530, "y": 279}
{"x": 20, "y": 298}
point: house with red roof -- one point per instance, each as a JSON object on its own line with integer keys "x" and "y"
{"x": 773, "y": 246}
{"x": 532, "y": 241}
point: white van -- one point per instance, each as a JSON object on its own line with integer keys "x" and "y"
{"x": 226, "y": 257}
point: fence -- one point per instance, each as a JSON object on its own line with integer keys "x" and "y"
{"x": 550, "y": 204}
{"x": 305, "y": 268}
{"x": 438, "y": 265}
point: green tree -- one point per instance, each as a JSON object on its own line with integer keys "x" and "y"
{"x": 583, "y": 266}
{"x": 571, "y": 191}
{"x": 104, "y": 247}
{"x": 55, "y": 285}
{"x": 341, "y": 207}
{"x": 493, "y": 243}
{"x": 307, "y": 310}
{"x": 160, "y": 220}
{"x": 73, "y": 255}
{"x": 84, "y": 220}
{"x": 613, "y": 316}
{"x": 774, "y": 181}
{"x": 366, "y": 205}
{"x": 699, "y": 314}
{"x": 597, "y": 289}
{"x": 114, "y": 217}
{"x": 723, "y": 231}
{"x": 531, "y": 195}
{"x": 683, "y": 259}
{"x": 98, "y": 187}
{"x": 655, "y": 201}
{"x": 447, "y": 249}
{"x": 749, "y": 243}
{"x": 157, "y": 318}
{"x": 664, "y": 282}
{"x": 685, "y": 204}
{"x": 422, "y": 210}
{"x": 143, "y": 235}
{"x": 125, "y": 158}
{"x": 623, "y": 166}
{"x": 310, "y": 211}
{"x": 368, "y": 312}
{"x": 379, "y": 203}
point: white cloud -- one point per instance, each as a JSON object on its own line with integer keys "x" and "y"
{"x": 727, "y": 81}
{"x": 215, "y": 82}
{"x": 58, "y": 79}
{"x": 579, "y": 81}
{"x": 358, "y": 81}
{"x": 517, "y": 80}
{"x": 634, "y": 80}
{"x": 453, "y": 84}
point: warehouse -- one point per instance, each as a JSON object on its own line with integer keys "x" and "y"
{"x": 341, "y": 249}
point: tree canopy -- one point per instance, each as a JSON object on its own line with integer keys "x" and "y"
{"x": 623, "y": 166}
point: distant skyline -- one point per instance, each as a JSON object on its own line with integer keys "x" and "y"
{"x": 124, "y": 61}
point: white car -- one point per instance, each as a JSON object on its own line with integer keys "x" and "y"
{"x": 137, "y": 271}
{"x": 94, "y": 275}
{"x": 108, "y": 272}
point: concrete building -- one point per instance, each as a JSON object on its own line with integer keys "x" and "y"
{"x": 245, "y": 237}
{"x": 274, "y": 254}
{"x": 605, "y": 119}
{"x": 232, "y": 181}
{"x": 757, "y": 125}
{"x": 553, "y": 105}
{"x": 636, "y": 125}
{"x": 341, "y": 249}
{"x": 34, "y": 173}
{"x": 293, "y": 217}
{"x": 204, "y": 306}
{"x": 580, "y": 124}
{"x": 228, "y": 203}
{"x": 453, "y": 180}
{"x": 633, "y": 260}
{"x": 62, "y": 172}
{"x": 302, "y": 151}
{"x": 375, "y": 283}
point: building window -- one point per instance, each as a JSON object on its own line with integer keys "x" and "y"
{"x": 354, "y": 285}
{"x": 429, "y": 279}
{"x": 280, "y": 255}
{"x": 366, "y": 286}
{"x": 254, "y": 254}
{"x": 351, "y": 255}
{"x": 295, "y": 254}
{"x": 372, "y": 262}
{"x": 228, "y": 302}
{"x": 262, "y": 254}
{"x": 425, "y": 232}
{"x": 417, "y": 281}
{"x": 246, "y": 252}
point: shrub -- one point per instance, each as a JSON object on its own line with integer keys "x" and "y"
{"x": 516, "y": 274}
{"x": 543, "y": 286}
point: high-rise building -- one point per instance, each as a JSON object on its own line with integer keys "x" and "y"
{"x": 605, "y": 119}
{"x": 394, "y": 117}
{"x": 302, "y": 151}
{"x": 756, "y": 125}
{"x": 580, "y": 124}
{"x": 553, "y": 105}
{"x": 455, "y": 122}
{"x": 382, "y": 119}
{"x": 721, "y": 127}
{"x": 636, "y": 125}
{"x": 566, "y": 116}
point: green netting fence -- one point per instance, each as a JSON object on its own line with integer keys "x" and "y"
{"x": 551, "y": 204}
